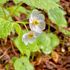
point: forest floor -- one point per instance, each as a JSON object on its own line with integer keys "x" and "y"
{"x": 61, "y": 60}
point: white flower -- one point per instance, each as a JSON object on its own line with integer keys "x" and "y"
{"x": 37, "y": 21}
{"x": 29, "y": 37}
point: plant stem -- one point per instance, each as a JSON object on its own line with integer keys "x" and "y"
{"x": 48, "y": 28}
{"x": 48, "y": 22}
{"x": 24, "y": 25}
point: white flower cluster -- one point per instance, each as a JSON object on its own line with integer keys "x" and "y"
{"x": 37, "y": 25}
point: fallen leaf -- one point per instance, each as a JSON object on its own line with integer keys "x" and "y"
{"x": 55, "y": 56}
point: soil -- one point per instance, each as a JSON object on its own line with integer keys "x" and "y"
{"x": 61, "y": 60}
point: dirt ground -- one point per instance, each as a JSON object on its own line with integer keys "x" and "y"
{"x": 61, "y": 60}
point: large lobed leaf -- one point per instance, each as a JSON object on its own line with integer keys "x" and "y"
{"x": 17, "y": 1}
{"x": 16, "y": 10}
{"x": 64, "y": 31}
{"x": 23, "y": 64}
{"x": 56, "y": 1}
{"x": 48, "y": 42}
{"x": 3, "y": 1}
{"x": 18, "y": 41}
{"x": 57, "y": 17}
{"x": 42, "y": 4}
{"x": 5, "y": 28}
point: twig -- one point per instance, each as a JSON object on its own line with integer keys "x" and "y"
{"x": 4, "y": 53}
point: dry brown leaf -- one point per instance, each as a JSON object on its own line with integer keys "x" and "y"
{"x": 55, "y": 56}
{"x": 69, "y": 49}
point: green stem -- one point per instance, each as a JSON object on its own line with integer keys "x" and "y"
{"x": 48, "y": 28}
{"x": 33, "y": 56}
{"x": 48, "y": 22}
{"x": 24, "y": 25}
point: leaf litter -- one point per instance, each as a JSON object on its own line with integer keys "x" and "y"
{"x": 58, "y": 60}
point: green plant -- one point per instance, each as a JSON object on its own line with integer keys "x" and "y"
{"x": 35, "y": 39}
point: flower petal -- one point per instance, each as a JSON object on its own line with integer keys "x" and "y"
{"x": 27, "y": 40}
{"x": 35, "y": 12}
{"x": 42, "y": 25}
{"x": 40, "y": 17}
{"x": 35, "y": 28}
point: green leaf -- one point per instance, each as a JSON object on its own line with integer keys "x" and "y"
{"x": 18, "y": 29}
{"x": 23, "y": 64}
{"x": 16, "y": 10}
{"x": 5, "y": 28}
{"x": 7, "y": 66}
{"x": 41, "y": 4}
{"x": 54, "y": 39}
{"x": 17, "y": 1}
{"x": 4, "y": 13}
{"x": 64, "y": 31}
{"x": 21, "y": 46}
{"x": 3, "y": 1}
{"x": 48, "y": 42}
{"x": 14, "y": 59}
{"x": 57, "y": 17}
{"x": 18, "y": 42}
{"x": 34, "y": 47}
{"x": 56, "y": 1}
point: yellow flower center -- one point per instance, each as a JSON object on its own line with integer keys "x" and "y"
{"x": 35, "y": 22}
{"x": 30, "y": 35}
